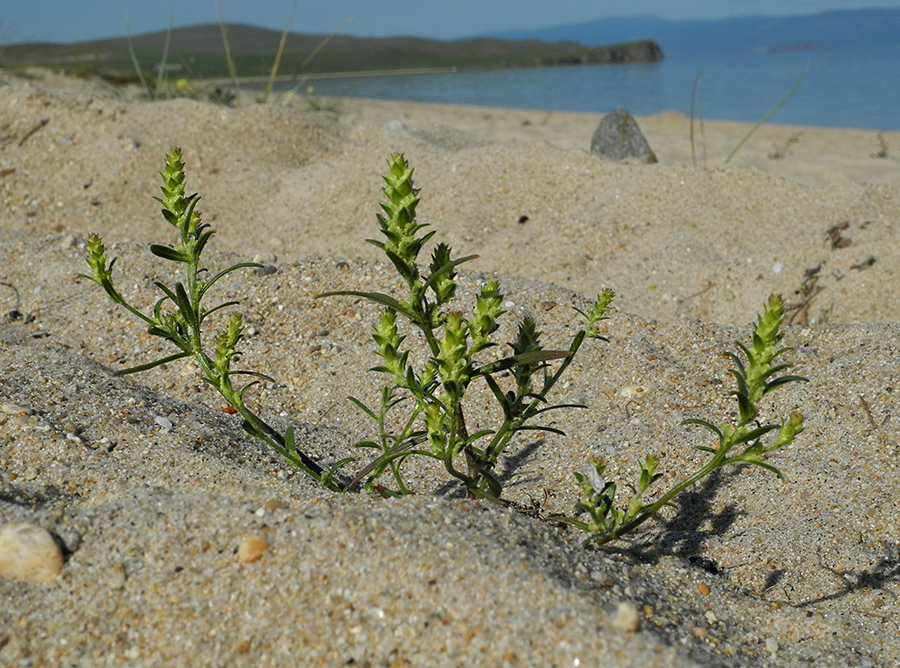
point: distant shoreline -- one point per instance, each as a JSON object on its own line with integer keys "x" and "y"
{"x": 336, "y": 75}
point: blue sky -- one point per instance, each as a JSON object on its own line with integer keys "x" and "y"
{"x": 76, "y": 21}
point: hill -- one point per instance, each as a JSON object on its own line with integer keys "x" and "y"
{"x": 199, "y": 52}
{"x": 863, "y": 28}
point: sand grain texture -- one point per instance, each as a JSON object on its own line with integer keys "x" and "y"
{"x": 152, "y": 489}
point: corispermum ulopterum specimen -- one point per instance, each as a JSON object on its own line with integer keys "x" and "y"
{"x": 755, "y": 379}
{"x": 436, "y": 388}
{"x": 178, "y": 316}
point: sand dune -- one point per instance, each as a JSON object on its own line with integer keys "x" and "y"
{"x": 152, "y": 488}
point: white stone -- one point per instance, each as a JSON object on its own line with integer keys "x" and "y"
{"x": 627, "y": 619}
{"x": 28, "y": 552}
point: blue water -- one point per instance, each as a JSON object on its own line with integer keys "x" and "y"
{"x": 842, "y": 88}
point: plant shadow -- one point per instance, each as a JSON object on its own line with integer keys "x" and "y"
{"x": 684, "y": 537}
{"x": 511, "y": 463}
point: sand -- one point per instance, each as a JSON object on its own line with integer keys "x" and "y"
{"x": 151, "y": 488}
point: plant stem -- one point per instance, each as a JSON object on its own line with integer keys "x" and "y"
{"x": 651, "y": 510}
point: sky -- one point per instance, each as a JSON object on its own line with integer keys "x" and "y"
{"x": 77, "y": 21}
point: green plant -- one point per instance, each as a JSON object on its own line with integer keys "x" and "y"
{"x": 882, "y": 146}
{"x": 755, "y": 379}
{"x": 438, "y": 388}
{"x": 179, "y": 314}
{"x": 781, "y": 151}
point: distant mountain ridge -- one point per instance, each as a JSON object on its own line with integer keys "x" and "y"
{"x": 856, "y": 28}
{"x": 198, "y": 51}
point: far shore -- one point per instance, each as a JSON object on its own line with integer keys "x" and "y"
{"x": 331, "y": 75}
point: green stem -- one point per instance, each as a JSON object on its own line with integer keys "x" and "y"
{"x": 648, "y": 512}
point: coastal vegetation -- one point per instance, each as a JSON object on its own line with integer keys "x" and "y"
{"x": 197, "y": 52}
{"x": 432, "y": 382}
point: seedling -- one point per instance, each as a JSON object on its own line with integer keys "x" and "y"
{"x": 437, "y": 388}
{"x": 882, "y": 146}
{"x": 459, "y": 351}
{"x": 779, "y": 152}
{"x": 755, "y": 379}
{"x": 179, "y": 315}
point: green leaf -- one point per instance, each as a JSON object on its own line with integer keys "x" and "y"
{"x": 201, "y": 242}
{"x": 169, "y": 253}
{"x": 755, "y": 459}
{"x": 448, "y": 267}
{"x": 225, "y": 272}
{"x": 535, "y": 357}
{"x": 787, "y": 379}
{"x": 537, "y": 427}
{"x": 208, "y": 313}
{"x": 255, "y": 374}
{"x": 185, "y": 306}
{"x": 754, "y": 434}
{"x": 365, "y": 409}
{"x": 379, "y": 298}
{"x": 152, "y": 365}
{"x": 707, "y": 425}
{"x": 478, "y": 435}
{"x": 499, "y": 395}
{"x": 402, "y": 450}
{"x": 409, "y": 272}
{"x": 168, "y": 292}
{"x": 546, "y": 409}
{"x": 367, "y": 444}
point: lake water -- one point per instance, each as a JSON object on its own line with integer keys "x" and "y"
{"x": 842, "y": 88}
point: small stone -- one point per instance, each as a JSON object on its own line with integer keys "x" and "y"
{"x": 627, "y": 619}
{"x": 618, "y": 137}
{"x": 28, "y": 552}
{"x": 163, "y": 422}
{"x": 265, "y": 257}
{"x": 252, "y": 548}
{"x": 394, "y": 126}
{"x": 704, "y": 590}
{"x": 771, "y": 645}
{"x": 14, "y": 409}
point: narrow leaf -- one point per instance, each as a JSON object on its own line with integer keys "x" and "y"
{"x": 151, "y": 365}
{"x": 446, "y": 268}
{"x": 365, "y": 409}
{"x": 225, "y": 272}
{"x": 533, "y": 357}
{"x": 168, "y": 253}
{"x": 378, "y": 297}
{"x": 708, "y": 425}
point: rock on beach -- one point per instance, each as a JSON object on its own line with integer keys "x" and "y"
{"x": 28, "y": 552}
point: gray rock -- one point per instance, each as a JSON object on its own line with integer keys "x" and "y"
{"x": 618, "y": 137}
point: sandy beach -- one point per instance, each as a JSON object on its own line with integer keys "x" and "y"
{"x": 152, "y": 489}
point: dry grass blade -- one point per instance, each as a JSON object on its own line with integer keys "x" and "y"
{"x": 762, "y": 120}
{"x": 232, "y": 71}
{"x": 284, "y": 34}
